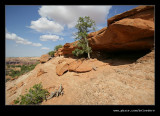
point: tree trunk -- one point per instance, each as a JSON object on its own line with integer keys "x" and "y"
{"x": 87, "y": 47}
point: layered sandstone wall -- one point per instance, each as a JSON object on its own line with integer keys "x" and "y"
{"x": 129, "y": 31}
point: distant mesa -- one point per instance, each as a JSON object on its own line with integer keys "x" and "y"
{"x": 21, "y": 61}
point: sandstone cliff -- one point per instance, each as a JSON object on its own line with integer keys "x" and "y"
{"x": 129, "y": 31}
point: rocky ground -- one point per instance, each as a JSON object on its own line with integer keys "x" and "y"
{"x": 117, "y": 82}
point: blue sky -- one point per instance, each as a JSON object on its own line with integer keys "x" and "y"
{"x": 33, "y": 30}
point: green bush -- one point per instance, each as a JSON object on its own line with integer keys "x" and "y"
{"x": 36, "y": 95}
{"x": 24, "y": 69}
{"x": 78, "y": 52}
{"x": 57, "y": 47}
{"x": 51, "y": 53}
{"x": 14, "y": 73}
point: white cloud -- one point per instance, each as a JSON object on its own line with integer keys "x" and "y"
{"x": 11, "y": 36}
{"x": 45, "y": 48}
{"x": 36, "y": 44}
{"x": 50, "y": 37}
{"x": 17, "y": 39}
{"x": 68, "y": 15}
{"x": 45, "y": 25}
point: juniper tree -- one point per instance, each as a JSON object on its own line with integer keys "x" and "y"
{"x": 84, "y": 25}
{"x": 57, "y": 47}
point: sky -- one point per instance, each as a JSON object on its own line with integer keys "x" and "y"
{"x": 34, "y": 30}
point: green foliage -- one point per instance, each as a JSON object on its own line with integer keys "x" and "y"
{"x": 82, "y": 44}
{"x": 12, "y": 66}
{"x": 14, "y": 73}
{"x": 77, "y": 52}
{"x": 36, "y": 95}
{"x": 51, "y": 53}
{"x": 24, "y": 69}
{"x": 57, "y": 47}
{"x": 83, "y": 26}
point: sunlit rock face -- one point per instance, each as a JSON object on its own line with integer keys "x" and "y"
{"x": 132, "y": 30}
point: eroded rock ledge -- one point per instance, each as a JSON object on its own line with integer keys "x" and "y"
{"x": 79, "y": 66}
{"x": 132, "y": 30}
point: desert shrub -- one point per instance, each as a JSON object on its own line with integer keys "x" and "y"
{"x": 13, "y": 66}
{"x": 51, "y": 53}
{"x": 57, "y": 47}
{"x": 79, "y": 53}
{"x": 36, "y": 95}
{"x": 14, "y": 73}
{"x": 24, "y": 69}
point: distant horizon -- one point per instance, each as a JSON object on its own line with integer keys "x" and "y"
{"x": 34, "y": 30}
{"x": 23, "y": 56}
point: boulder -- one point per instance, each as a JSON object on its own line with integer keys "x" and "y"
{"x": 88, "y": 65}
{"x": 84, "y": 67}
{"x": 80, "y": 66}
{"x": 63, "y": 65}
{"x": 66, "y": 49}
{"x": 44, "y": 58}
{"x": 67, "y": 60}
{"x": 70, "y": 60}
{"x": 74, "y": 65}
{"x": 61, "y": 68}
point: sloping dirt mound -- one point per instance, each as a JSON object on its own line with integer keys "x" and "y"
{"x": 127, "y": 84}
